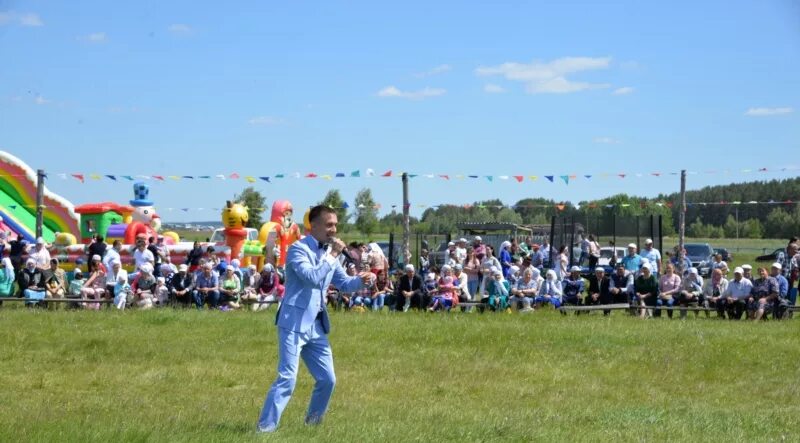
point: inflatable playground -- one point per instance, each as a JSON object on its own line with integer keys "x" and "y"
{"x": 67, "y": 229}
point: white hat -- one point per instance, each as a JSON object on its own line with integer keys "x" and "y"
{"x": 30, "y": 261}
{"x": 747, "y": 267}
{"x": 462, "y": 240}
{"x": 494, "y": 269}
{"x": 161, "y": 280}
{"x": 649, "y": 241}
{"x": 451, "y": 244}
{"x": 777, "y": 265}
{"x": 183, "y": 268}
{"x": 514, "y": 269}
{"x": 738, "y": 270}
{"x": 40, "y": 241}
{"x": 430, "y": 276}
{"x": 267, "y": 268}
{"x": 409, "y": 267}
{"x": 446, "y": 268}
{"x": 599, "y": 269}
{"x": 478, "y": 238}
{"x": 632, "y": 245}
{"x": 497, "y": 272}
{"x": 115, "y": 262}
{"x": 575, "y": 269}
{"x": 96, "y": 258}
{"x": 647, "y": 266}
{"x": 505, "y": 244}
{"x": 458, "y": 267}
{"x": 693, "y": 271}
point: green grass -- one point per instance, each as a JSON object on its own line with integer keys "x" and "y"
{"x": 201, "y": 376}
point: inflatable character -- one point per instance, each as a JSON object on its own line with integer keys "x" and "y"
{"x": 234, "y": 219}
{"x": 285, "y": 231}
{"x": 144, "y": 220}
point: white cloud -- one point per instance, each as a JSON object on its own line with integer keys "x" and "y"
{"x": 266, "y": 120}
{"x": 22, "y": 19}
{"x": 606, "y": 140}
{"x": 493, "y": 89}
{"x": 391, "y": 91}
{"x": 437, "y": 70}
{"x": 763, "y": 112}
{"x": 95, "y": 37}
{"x": 624, "y": 90}
{"x": 180, "y": 29}
{"x": 39, "y": 100}
{"x": 549, "y": 77}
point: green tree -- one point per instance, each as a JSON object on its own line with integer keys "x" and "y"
{"x": 779, "y": 224}
{"x": 731, "y": 228}
{"x": 255, "y": 203}
{"x": 366, "y": 213}
{"x": 697, "y": 229}
{"x": 334, "y": 200}
{"x": 752, "y": 228}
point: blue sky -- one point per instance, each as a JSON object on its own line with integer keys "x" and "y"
{"x": 490, "y": 88}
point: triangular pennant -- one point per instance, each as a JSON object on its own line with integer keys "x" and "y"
{"x": 429, "y": 175}
{"x": 326, "y": 177}
{"x": 220, "y": 176}
{"x": 265, "y": 178}
{"x": 185, "y": 209}
{"x": 78, "y": 177}
{"x": 565, "y": 178}
{"x": 206, "y": 177}
{"x": 370, "y": 172}
{"x": 190, "y": 177}
{"x": 175, "y": 177}
{"x": 95, "y": 176}
{"x": 533, "y": 177}
{"x": 621, "y": 175}
{"x": 111, "y": 177}
{"x": 12, "y": 206}
{"x": 472, "y": 176}
{"x": 519, "y": 178}
{"x": 412, "y": 175}
{"x": 234, "y": 176}
{"x": 387, "y": 173}
{"x": 657, "y": 174}
{"x": 280, "y": 175}
{"x": 345, "y": 205}
{"x": 296, "y": 175}
{"x": 339, "y": 174}
{"x": 159, "y": 177}
{"x": 250, "y": 179}
{"x": 143, "y": 177}
{"x": 489, "y": 177}
{"x": 460, "y": 176}
{"x": 573, "y": 176}
{"x": 127, "y": 177}
{"x": 588, "y": 176}
{"x": 446, "y": 177}
{"x": 311, "y": 175}
{"x": 355, "y": 174}
{"x": 550, "y": 177}
{"x": 62, "y": 176}
{"x": 503, "y": 177}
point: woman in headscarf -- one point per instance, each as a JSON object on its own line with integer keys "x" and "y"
{"x": 498, "y": 289}
{"x": 144, "y": 287}
{"x": 377, "y": 261}
{"x": 229, "y": 288}
{"x": 270, "y": 289}
{"x": 505, "y": 258}
{"x": 550, "y": 291}
{"x": 6, "y": 278}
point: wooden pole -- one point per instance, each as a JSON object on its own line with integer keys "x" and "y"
{"x": 682, "y": 224}
{"x": 40, "y": 175}
{"x": 406, "y": 229}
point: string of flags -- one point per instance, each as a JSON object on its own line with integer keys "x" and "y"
{"x": 369, "y": 173}
{"x": 557, "y": 206}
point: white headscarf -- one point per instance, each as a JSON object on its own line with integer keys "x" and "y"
{"x": 376, "y": 249}
{"x": 9, "y": 268}
{"x": 551, "y": 275}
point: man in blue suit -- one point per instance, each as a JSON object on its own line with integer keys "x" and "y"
{"x": 311, "y": 266}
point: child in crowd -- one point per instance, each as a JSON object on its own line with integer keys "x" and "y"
{"x": 75, "y": 286}
{"x": 123, "y": 294}
{"x": 161, "y": 292}
{"x": 445, "y": 291}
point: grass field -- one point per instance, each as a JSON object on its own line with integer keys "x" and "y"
{"x": 172, "y": 376}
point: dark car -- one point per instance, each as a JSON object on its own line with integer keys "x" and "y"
{"x": 726, "y": 255}
{"x": 701, "y": 256}
{"x": 771, "y": 257}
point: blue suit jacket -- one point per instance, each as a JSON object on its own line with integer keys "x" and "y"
{"x": 308, "y": 275}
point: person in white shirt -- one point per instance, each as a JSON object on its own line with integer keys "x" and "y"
{"x": 719, "y": 264}
{"x": 40, "y": 255}
{"x": 735, "y": 295}
{"x": 112, "y": 255}
{"x": 461, "y": 251}
{"x": 142, "y": 255}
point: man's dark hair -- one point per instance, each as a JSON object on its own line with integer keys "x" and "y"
{"x": 151, "y": 240}
{"x": 100, "y": 238}
{"x": 317, "y": 211}
{"x": 117, "y": 243}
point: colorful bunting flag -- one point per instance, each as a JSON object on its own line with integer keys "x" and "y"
{"x": 550, "y": 177}
{"x": 387, "y": 173}
{"x": 565, "y": 178}
{"x": 111, "y": 177}
{"x": 78, "y": 177}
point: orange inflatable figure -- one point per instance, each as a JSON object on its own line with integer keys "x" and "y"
{"x": 285, "y": 229}
{"x": 234, "y": 219}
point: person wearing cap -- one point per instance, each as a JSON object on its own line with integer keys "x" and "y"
{"x": 653, "y": 255}
{"x": 550, "y": 292}
{"x": 55, "y": 282}
{"x": 782, "y": 303}
{"x": 31, "y": 283}
{"x": 763, "y": 296}
{"x": 461, "y": 250}
{"x": 747, "y": 271}
{"x": 523, "y": 293}
{"x": 497, "y": 290}
{"x": 460, "y": 283}
{"x": 480, "y": 248}
{"x": 182, "y": 286}
{"x": 600, "y": 289}
{"x": 410, "y": 292}
{"x": 95, "y": 286}
{"x": 645, "y": 291}
{"x": 75, "y": 289}
{"x": 669, "y": 286}
{"x": 734, "y": 298}
{"x": 632, "y": 261}
{"x": 573, "y": 287}
{"x": 40, "y": 254}
{"x": 713, "y": 288}
{"x": 691, "y": 291}
{"x": 620, "y": 285}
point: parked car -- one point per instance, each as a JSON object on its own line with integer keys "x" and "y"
{"x": 701, "y": 255}
{"x": 771, "y": 257}
{"x": 727, "y": 257}
{"x": 607, "y": 252}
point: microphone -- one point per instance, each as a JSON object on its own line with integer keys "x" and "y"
{"x": 345, "y": 253}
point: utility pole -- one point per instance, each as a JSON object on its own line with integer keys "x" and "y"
{"x": 682, "y": 223}
{"x": 40, "y": 175}
{"x": 406, "y": 229}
